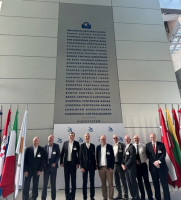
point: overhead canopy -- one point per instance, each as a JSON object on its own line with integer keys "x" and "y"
{"x": 170, "y": 6}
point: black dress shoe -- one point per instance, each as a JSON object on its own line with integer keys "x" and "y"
{"x": 118, "y": 197}
{"x": 92, "y": 198}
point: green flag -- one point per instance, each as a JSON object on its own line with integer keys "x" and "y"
{"x": 15, "y": 126}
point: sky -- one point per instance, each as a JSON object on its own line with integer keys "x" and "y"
{"x": 171, "y": 4}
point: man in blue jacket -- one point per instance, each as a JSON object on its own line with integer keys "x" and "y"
{"x": 52, "y": 156}
{"x": 105, "y": 164}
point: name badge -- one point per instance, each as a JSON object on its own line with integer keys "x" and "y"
{"x": 120, "y": 150}
{"x": 54, "y": 152}
{"x": 39, "y": 155}
{"x": 127, "y": 153}
{"x": 75, "y": 148}
{"x": 108, "y": 153}
{"x": 159, "y": 151}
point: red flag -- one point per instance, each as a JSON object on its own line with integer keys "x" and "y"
{"x": 173, "y": 170}
{"x": 4, "y": 142}
{"x": 8, "y": 174}
{"x": 177, "y": 125}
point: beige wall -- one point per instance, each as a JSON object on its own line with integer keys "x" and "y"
{"x": 28, "y": 53}
{"x": 28, "y": 50}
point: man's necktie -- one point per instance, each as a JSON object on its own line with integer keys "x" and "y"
{"x": 154, "y": 147}
{"x": 137, "y": 149}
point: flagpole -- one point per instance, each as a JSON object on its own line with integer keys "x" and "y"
{"x": 1, "y": 122}
{"x": 172, "y": 116}
{"x": 159, "y": 119}
{"x": 16, "y": 159}
{"x": 179, "y": 114}
{"x": 10, "y": 107}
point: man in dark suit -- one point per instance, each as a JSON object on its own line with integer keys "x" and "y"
{"x": 105, "y": 164}
{"x": 119, "y": 173}
{"x": 52, "y": 155}
{"x": 129, "y": 165}
{"x": 156, "y": 154}
{"x": 33, "y": 166}
{"x": 69, "y": 159}
{"x": 88, "y": 165}
{"x": 142, "y": 169}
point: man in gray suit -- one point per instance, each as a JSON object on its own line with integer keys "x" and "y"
{"x": 52, "y": 156}
{"x": 142, "y": 169}
{"x": 119, "y": 173}
{"x": 129, "y": 165}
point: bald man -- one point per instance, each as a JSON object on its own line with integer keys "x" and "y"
{"x": 156, "y": 154}
{"x": 52, "y": 157}
{"x": 142, "y": 169}
{"x": 33, "y": 166}
{"x": 129, "y": 166}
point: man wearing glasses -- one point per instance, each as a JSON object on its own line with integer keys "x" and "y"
{"x": 105, "y": 164}
{"x": 119, "y": 173}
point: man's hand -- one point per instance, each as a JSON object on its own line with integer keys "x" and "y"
{"x": 110, "y": 170}
{"x": 53, "y": 165}
{"x": 62, "y": 165}
{"x": 38, "y": 173}
{"x": 82, "y": 170}
{"x": 123, "y": 167}
{"x": 26, "y": 174}
{"x": 157, "y": 164}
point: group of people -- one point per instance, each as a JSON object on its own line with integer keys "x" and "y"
{"x": 126, "y": 162}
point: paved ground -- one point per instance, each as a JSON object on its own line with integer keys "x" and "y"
{"x": 175, "y": 195}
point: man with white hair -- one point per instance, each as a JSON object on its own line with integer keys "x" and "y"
{"x": 119, "y": 173}
{"x": 105, "y": 164}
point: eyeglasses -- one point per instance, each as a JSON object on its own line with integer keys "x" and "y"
{"x": 115, "y": 138}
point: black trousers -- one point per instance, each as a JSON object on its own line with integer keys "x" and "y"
{"x": 119, "y": 173}
{"x": 52, "y": 173}
{"x": 26, "y": 187}
{"x": 70, "y": 172}
{"x": 160, "y": 174}
{"x": 142, "y": 174}
{"x": 91, "y": 178}
{"x": 132, "y": 184}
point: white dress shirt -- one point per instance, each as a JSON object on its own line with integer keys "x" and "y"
{"x": 88, "y": 145}
{"x": 50, "y": 151}
{"x": 103, "y": 156}
{"x": 127, "y": 146}
{"x": 115, "y": 148}
{"x": 35, "y": 150}
{"x": 70, "y": 146}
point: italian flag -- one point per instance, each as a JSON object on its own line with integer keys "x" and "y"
{"x": 8, "y": 173}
